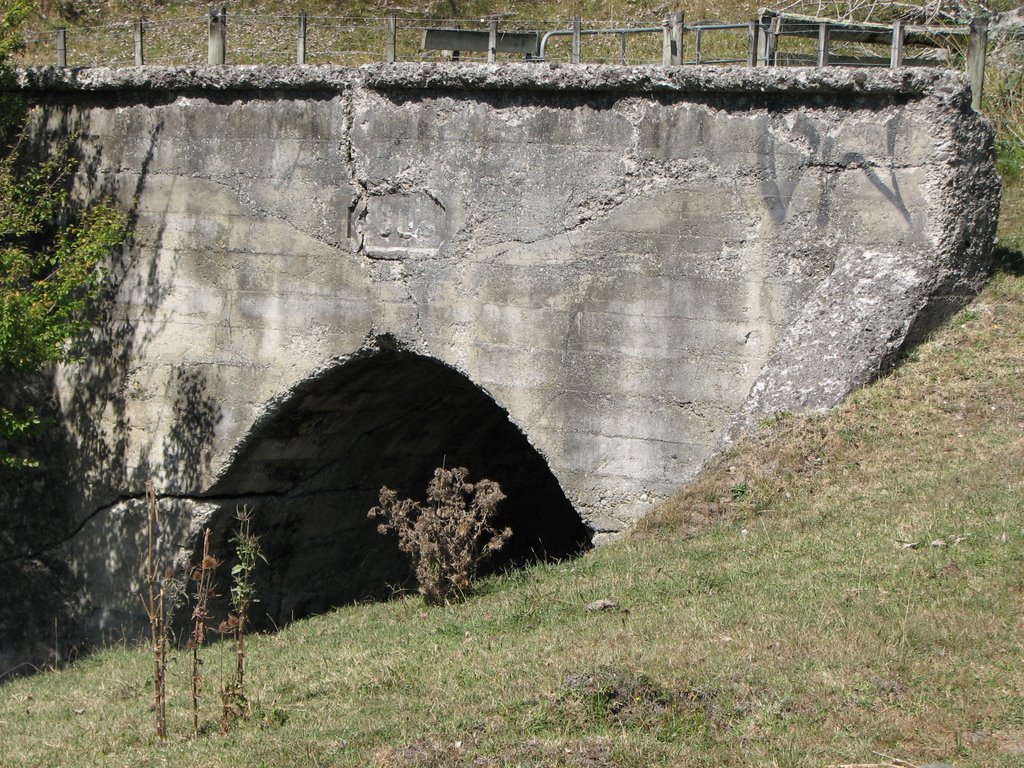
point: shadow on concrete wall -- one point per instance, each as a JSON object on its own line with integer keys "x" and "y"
{"x": 80, "y": 465}
{"x": 96, "y": 412}
{"x": 313, "y": 469}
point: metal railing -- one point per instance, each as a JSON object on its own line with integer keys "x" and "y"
{"x": 349, "y": 40}
{"x": 577, "y": 32}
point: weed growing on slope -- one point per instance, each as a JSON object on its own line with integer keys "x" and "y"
{"x": 449, "y": 536}
{"x": 243, "y": 597}
{"x": 164, "y": 591}
{"x": 202, "y": 577}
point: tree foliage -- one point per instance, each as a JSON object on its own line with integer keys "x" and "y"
{"x": 50, "y": 253}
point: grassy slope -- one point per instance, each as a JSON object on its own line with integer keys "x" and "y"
{"x": 768, "y": 615}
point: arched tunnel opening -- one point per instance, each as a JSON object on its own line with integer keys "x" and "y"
{"x": 312, "y": 470}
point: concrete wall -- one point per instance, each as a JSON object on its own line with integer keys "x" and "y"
{"x": 635, "y": 264}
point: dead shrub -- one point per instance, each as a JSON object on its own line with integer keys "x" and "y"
{"x": 449, "y": 536}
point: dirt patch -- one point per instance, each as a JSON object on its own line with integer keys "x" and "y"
{"x": 634, "y": 701}
{"x": 1008, "y": 742}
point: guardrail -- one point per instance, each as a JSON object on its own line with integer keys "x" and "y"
{"x": 350, "y": 40}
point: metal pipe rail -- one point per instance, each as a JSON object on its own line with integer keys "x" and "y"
{"x": 763, "y": 37}
{"x": 700, "y": 27}
{"x": 622, "y": 31}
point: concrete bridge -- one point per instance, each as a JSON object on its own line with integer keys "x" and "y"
{"x": 577, "y": 281}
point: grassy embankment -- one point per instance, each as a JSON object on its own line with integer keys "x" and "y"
{"x": 841, "y": 589}
{"x": 775, "y": 613}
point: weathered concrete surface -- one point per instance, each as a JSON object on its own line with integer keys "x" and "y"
{"x": 343, "y": 277}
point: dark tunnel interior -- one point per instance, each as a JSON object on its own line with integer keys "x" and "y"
{"x": 312, "y": 471}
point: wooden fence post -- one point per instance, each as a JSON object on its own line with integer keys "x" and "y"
{"x": 977, "y": 44}
{"x": 676, "y": 20}
{"x": 899, "y": 35}
{"x": 753, "y": 44}
{"x": 62, "y": 47}
{"x": 666, "y": 42}
{"x": 492, "y": 41}
{"x": 300, "y": 39}
{"x": 772, "y": 45}
{"x": 824, "y": 32}
{"x": 217, "y": 45}
{"x": 764, "y": 42}
{"x": 139, "y": 57}
{"x": 577, "y": 38}
{"x": 392, "y": 45}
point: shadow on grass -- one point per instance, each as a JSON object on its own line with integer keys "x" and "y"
{"x": 1009, "y": 259}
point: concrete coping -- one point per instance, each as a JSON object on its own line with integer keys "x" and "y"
{"x": 947, "y": 85}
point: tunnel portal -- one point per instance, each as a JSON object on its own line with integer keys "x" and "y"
{"x": 312, "y": 470}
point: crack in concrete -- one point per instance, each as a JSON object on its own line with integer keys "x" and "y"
{"x": 365, "y": 191}
{"x": 357, "y": 211}
{"x": 68, "y": 537}
{"x": 187, "y": 497}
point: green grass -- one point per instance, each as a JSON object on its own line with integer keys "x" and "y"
{"x": 859, "y": 600}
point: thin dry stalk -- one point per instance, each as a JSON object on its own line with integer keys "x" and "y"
{"x": 155, "y": 610}
{"x": 202, "y": 576}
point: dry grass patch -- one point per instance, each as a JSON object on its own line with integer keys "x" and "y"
{"x": 533, "y": 753}
{"x": 771, "y": 465}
